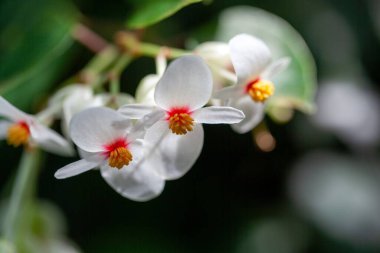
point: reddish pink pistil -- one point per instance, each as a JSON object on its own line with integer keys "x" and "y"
{"x": 118, "y": 143}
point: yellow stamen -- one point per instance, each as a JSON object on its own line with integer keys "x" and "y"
{"x": 18, "y": 134}
{"x": 181, "y": 123}
{"x": 119, "y": 157}
{"x": 261, "y": 90}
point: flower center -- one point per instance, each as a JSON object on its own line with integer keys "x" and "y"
{"x": 118, "y": 154}
{"x": 180, "y": 121}
{"x": 120, "y": 157}
{"x": 18, "y": 134}
{"x": 260, "y": 90}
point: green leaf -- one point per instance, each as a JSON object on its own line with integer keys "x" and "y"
{"x": 149, "y": 12}
{"x": 34, "y": 45}
{"x": 296, "y": 86}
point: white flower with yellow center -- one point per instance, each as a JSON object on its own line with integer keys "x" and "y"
{"x": 176, "y": 139}
{"x": 107, "y": 140}
{"x": 251, "y": 59}
{"x": 19, "y": 128}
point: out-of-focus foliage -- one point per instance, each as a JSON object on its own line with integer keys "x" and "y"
{"x": 31, "y": 61}
{"x": 6, "y": 247}
{"x": 295, "y": 87}
{"x": 150, "y": 12}
{"x": 46, "y": 231}
{"x": 340, "y": 195}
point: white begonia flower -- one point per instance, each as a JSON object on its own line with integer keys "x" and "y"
{"x": 116, "y": 149}
{"x": 19, "y": 128}
{"x": 217, "y": 56}
{"x": 77, "y": 97}
{"x": 145, "y": 89}
{"x": 176, "y": 138}
{"x": 251, "y": 59}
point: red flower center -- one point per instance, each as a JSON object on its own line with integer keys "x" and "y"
{"x": 118, "y": 154}
{"x": 180, "y": 121}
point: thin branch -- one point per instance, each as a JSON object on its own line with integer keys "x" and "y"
{"x": 89, "y": 38}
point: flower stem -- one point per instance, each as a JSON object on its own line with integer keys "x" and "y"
{"x": 152, "y": 50}
{"x": 91, "y": 73}
{"x": 128, "y": 42}
{"x": 116, "y": 70}
{"x": 89, "y": 38}
{"x": 22, "y": 193}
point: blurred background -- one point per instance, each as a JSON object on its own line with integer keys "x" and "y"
{"x": 311, "y": 185}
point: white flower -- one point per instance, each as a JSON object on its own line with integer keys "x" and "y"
{"x": 145, "y": 89}
{"x": 74, "y": 98}
{"x": 251, "y": 59}
{"x": 217, "y": 56}
{"x": 176, "y": 139}
{"x": 19, "y": 128}
{"x": 109, "y": 141}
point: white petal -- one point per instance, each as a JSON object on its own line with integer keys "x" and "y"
{"x": 161, "y": 63}
{"x": 276, "y": 68}
{"x": 254, "y": 113}
{"x": 74, "y": 169}
{"x": 146, "y": 122}
{"x": 249, "y": 55}
{"x": 141, "y": 184}
{"x": 231, "y": 92}
{"x": 215, "y": 52}
{"x": 74, "y": 103}
{"x": 138, "y": 181}
{"x": 49, "y": 140}
{"x": 227, "y": 75}
{"x": 177, "y": 153}
{"x": 218, "y": 115}
{"x": 4, "y": 125}
{"x": 145, "y": 89}
{"x": 97, "y": 157}
{"x": 186, "y": 83}
{"x": 104, "y": 99}
{"x": 7, "y": 110}
{"x": 93, "y": 128}
{"x": 136, "y": 111}
{"x": 67, "y": 91}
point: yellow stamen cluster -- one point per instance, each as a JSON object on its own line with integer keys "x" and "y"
{"x": 261, "y": 90}
{"x": 17, "y": 135}
{"x": 181, "y": 123}
{"x": 119, "y": 157}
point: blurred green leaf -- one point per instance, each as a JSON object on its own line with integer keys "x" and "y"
{"x": 296, "y": 86}
{"x": 46, "y": 232}
{"x": 34, "y": 44}
{"x": 47, "y": 220}
{"x": 150, "y": 12}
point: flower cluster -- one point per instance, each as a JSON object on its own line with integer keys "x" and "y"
{"x": 157, "y": 136}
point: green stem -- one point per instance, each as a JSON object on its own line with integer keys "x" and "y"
{"x": 152, "y": 50}
{"x": 92, "y": 72}
{"x": 116, "y": 70}
{"x": 22, "y": 193}
{"x": 102, "y": 60}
